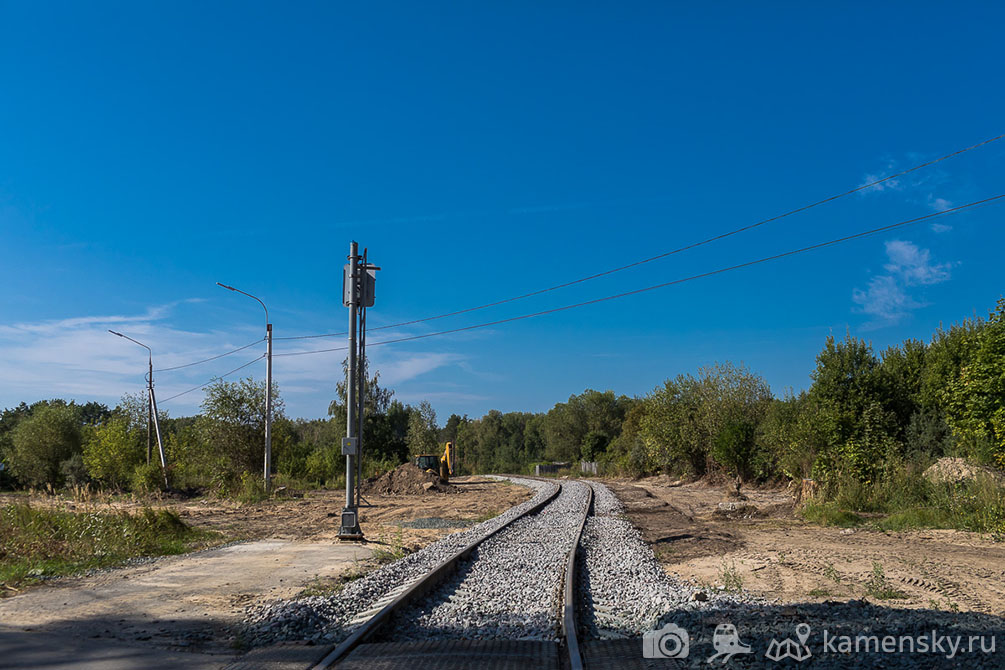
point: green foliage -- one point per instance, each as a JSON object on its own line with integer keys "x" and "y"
{"x": 975, "y": 400}
{"x": 735, "y": 447}
{"x": 423, "y": 431}
{"x": 830, "y": 514}
{"x": 583, "y": 427}
{"x": 730, "y": 578}
{"x": 878, "y": 587}
{"x": 41, "y": 442}
{"x": 326, "y": 465}
{"x": 688, "y": 414}
{"x": 147, "y": 478}
{"x": 251, "y": 488}
{"x": 45, "y": 542}
{"x": 113, "y": 450}
{"x": 232, "y": 426}
{"x": 73, "y": 471}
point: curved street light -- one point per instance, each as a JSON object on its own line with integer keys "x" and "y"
{"x": 152, "y": 418}
{"x": 268, "y": 386}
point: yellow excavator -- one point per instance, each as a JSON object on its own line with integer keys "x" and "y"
{"x": 427, "y": 462}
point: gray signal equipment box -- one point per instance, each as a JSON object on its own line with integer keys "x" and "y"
{"x": 368, "y": 281}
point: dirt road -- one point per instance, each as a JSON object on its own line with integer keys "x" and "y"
{"x": 193, "y": 602}
{"x": 773, "y": 553}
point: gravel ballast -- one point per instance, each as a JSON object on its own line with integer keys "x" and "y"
{"x": 510, "y": 587}
{"x": 328, "y": 619}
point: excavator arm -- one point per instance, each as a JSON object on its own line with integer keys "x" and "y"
{"x": 447, "y": 461}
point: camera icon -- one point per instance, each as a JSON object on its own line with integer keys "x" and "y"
{"x": 670, "y": 641}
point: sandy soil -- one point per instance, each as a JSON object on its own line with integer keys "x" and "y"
{"x": 193, "y": 601}
{"x": 779, "y": 556}
{"x": 314, "y": 515}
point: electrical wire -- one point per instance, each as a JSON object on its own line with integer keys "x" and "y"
{"x": 213, "y": 358}
{"x": 693, "y": 245}
{"x": 217, "y": 377}
{"x": 710, "y": 273}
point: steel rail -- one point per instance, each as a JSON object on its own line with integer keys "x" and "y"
{"x": 569, "y": 615}
{"x": 417, "y": 590}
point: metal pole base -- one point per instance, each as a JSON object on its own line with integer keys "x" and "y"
{"x": 349, "y": 529}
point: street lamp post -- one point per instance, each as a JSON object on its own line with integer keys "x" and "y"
{"x": 151, "y": 406}
{"x": 268, "y": 387}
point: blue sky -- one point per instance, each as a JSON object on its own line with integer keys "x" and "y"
{"x": 480, "y": 151}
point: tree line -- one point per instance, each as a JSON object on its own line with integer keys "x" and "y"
{"x": 867, "y": 418}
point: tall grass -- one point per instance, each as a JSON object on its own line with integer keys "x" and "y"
{"x": 38, "y": 542}
{"x": 904, "y": 499}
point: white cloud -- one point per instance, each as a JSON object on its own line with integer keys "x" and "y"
{"x": 939, "y": 204}
{"x": 77, "y": 358}
{"x": 887, "y": 298}
{"x": 888, "y": 185}
{"x": 940, "y": 228}
{"x": 918, "y": 187}
{"x": 914, "y": 265}
{"x": 884, "y": 299}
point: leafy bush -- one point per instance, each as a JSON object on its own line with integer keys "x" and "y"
{"x": 147, "y": 478}
{"x": 73, "y": 471}
{"x": 113, "y": 451}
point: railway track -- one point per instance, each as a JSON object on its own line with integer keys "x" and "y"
{"x": 551, "y": 583}
{"x": 463, "y": 609}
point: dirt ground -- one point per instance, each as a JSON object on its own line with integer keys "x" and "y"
{"x": 314, "y": 515}
{"x": 777, "y": 555}
{"x": 193, "y": 601}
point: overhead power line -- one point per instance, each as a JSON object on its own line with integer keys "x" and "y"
{"x": 217, "y": 377}
{"x": 710, "y": 273}
{"x": 693, "y": 245}
{"x": 212, "y": 358}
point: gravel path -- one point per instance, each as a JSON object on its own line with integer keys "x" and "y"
{"x": 623, "y": 590}
{"x": 329, "y": 619}
{"x": 510, "y": 587}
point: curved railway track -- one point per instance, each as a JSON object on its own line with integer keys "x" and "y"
{"x": 440, "y": 585}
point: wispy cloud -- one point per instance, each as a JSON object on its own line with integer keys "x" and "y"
{"x": 914, "y": 265}
{"x": 918, "y": 187}
{"x": 887, "y": 298}
{"x": 76, "y": 357}
{"x": 888, "y": 185}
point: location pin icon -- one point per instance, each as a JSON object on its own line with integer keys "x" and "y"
{"x": 803, "y": 633}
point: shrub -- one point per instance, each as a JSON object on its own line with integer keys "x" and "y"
{"x": 147, "y": 478}
{"x": 113, "y": 451}
{"x": 73, "y": 471}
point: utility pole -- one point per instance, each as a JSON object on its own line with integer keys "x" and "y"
{"x": 151, "y": 407}
{"x": 357, "y": 294}
{"x": 349, "y": 528}
{"x": 150, "y": 412}
{"x": 268, "y": 386}
{"x": 268, "y": 404}
{"x": 361, "y": 365}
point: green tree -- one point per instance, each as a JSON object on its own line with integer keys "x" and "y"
{"x": 422, "y": 430}
{"x": 975, "y": 401}
{"x": 232, "y": 424}
{"x": 685, "y": 416}
{"x": 113, "y": 450}
{"x": 41, "y": 442}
